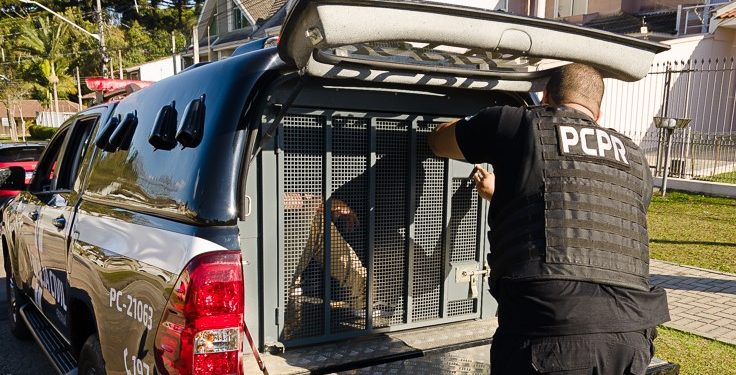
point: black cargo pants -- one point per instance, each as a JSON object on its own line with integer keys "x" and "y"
{"x": 600, "y": 354}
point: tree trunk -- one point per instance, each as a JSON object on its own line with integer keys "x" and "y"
{"x": 11, "y": 124}
{"x": 22, "y": 123}
{"x": 56, "y": 96}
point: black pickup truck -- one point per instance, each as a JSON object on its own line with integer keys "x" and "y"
{"x": 184, "y": 229}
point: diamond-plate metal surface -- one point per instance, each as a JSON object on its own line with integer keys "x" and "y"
{"x": 376, "y": 349}
{"x": 473, "y": 361}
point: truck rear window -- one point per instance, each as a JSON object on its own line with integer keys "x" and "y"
{"x": 20, "y": 154}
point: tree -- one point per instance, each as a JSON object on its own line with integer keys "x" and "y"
{"x": 12, "y": 88}
{"x": 46, "y": 43}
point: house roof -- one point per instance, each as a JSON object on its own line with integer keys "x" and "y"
{"x": 727, "y": 14}
{"x": 31, "y": 107}
{"x": 625, "y": 23}
{"x": 262, "y": 9}
{"x": 235, "y": 35}
{"x": 276, "y": 20}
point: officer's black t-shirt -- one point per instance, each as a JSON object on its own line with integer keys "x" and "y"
{"x": 500, "y": 136}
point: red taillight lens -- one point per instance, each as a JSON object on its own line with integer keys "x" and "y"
{"x": 201, "y": 331}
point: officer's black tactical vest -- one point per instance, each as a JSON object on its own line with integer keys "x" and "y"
{"x": 589, "y": 224}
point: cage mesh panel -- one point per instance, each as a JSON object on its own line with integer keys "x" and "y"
{"x": 303, "y": 153}
{"x": 303, "y": 274}
{"x": 463, "y": 221}
{"x": 350, "y": 185}
{"x": 463, "y": 307}
{"x": 464, "y": 236}
{"x": 389, "y": 269}
{"x": 428, "y": 226}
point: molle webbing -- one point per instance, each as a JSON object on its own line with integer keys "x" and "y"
{"x": 592, "y": 206}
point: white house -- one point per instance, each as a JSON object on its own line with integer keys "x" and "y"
{"x": 154, "y": 70}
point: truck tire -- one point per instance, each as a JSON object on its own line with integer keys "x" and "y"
{"x": 16, "y": 300}
{"x": 90, "y": 358}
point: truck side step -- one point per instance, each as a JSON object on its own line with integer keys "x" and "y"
{"x": 51, "y": 341}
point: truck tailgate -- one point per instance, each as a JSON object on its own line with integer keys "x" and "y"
{"x": 376, "y": 350}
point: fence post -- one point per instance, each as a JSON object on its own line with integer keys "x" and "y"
{"x": 665, "y": 113}
{"x": 668, "y": 140}
{"x": 685, "y": 149}
{"x": 717, "y": 156}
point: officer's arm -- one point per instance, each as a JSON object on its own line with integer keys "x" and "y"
{"x": 443, "y": 142}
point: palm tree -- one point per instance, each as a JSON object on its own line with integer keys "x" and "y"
{"x": 46, "y": 42}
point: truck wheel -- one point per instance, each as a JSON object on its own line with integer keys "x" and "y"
{"x": 90, "y": 358}
{"x": 16, "y": 300}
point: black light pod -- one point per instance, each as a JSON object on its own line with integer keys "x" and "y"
{"x": 192, "y": 125}
{"x": 163, "y": 135}
{"x": 102, "y": 140}
{"x": 123, "y": 135}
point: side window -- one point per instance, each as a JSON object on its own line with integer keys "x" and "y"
{"x": 47, "y": 170}
{"x": 60, "y": 164}
{"x": 74, "y": 152}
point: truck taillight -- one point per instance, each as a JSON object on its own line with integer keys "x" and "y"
{"x": 201, "y": 330}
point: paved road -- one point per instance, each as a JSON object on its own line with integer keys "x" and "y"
{"x": 18, "y": 357}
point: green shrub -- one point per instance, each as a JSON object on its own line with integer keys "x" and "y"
{"x": 41, "y": 132}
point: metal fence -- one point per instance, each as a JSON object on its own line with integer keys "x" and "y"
{"x": 700, "y": 90}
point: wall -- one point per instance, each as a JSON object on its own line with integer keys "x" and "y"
{"x": 630, "y": 107}
{"x": 160, "y": 69}
{"x": 604, "y": 6}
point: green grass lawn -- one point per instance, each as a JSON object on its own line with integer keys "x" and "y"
{"x": 728, "y": 178}
{"x": 699, "y": 231}
{"x": 694, "y": 354}
{"x": 695, "y": 230}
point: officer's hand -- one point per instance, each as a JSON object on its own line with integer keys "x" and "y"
{"x": 485, "y": 182}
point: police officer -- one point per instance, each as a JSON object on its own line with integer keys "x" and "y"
{"x": 568, "y": 232}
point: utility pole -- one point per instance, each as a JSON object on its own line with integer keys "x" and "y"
{"x": 195, "y": 42}
{"x": 173, "y": 50}
{"x": 54, "y": 82}
{"x": 209, "y": 46}
{"x": 120, "y": 64}
{"x": 101, "y": 30}
{"x": 79, "y": 90}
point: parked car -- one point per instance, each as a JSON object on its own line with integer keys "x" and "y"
{"x": 24, "y": 155}
{"x": 184, "y": 229}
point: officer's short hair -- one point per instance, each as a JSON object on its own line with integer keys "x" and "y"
{"x": 577, "y": 83}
